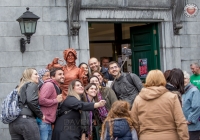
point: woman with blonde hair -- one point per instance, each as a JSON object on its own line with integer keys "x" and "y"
{"x": 25, "y": 126}
{"x": 118, "y": 124}
{"x": 157, "y": 113}
{"x": 68, "y": 124}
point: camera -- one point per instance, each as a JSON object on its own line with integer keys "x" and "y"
{"x": 126, "y": 51}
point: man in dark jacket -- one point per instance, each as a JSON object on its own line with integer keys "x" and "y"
{"x": 95, "y": 66}
{"x": 126, "y": 86}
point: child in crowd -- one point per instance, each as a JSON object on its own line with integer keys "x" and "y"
{"x": 118, "y": 125}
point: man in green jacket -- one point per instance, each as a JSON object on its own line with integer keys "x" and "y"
{"x": 195, "y": 78}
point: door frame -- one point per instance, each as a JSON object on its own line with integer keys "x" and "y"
{"x": 160, "y": 26}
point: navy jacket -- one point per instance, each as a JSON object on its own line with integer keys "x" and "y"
{"x": 105, "y": 73}
{"x": 121, "y": 131}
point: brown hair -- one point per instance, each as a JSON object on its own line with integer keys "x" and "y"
{"x": 96, "y": 71}
{"x": 155, "y": 78}
{"x": 119, "y": 109}
{"x": 166, "y": 74}
{"x": 86, "y": 89}
{"x": 113, "y": 62}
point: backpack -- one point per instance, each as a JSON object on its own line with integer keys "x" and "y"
{"x": 10, "y": 108}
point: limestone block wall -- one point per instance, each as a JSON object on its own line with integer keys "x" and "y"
{"x": 190, "y": 39}
{"x": 49, "y": 41}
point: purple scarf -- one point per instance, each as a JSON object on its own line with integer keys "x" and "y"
{"x": 103, "y": 112}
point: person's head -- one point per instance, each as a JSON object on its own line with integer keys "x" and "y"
{"x": 99, "y": 75}
{"x": 113, "y": 68}
{"x": 91, "y": 90}
{"x": 44, "y": 74}
{"x": 105, "y": 61}
{"x": 94, "y": 79}
{"x": 186, "y": 78}
{"x": 57, "y": 74}
{"x": 94, "y": 64}
{"x": 176, "y": 78}
{"x": 155, "y": 78}
{"x": 166, "y": 73}
{"x": 75, "y": 89}
{"x": 119, "y": 109}
{"x": 70, "y": 55}
{"x": 85, "y": 67}
{"x": 195, "y": 68}
{"x": 29, "y": 75}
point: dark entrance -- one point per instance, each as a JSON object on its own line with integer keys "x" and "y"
{"x": 107, "y": 39}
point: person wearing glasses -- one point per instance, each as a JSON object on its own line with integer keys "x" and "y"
{"x": 126, "y": 86}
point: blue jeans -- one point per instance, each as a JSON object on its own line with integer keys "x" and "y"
{"x": 45, "y": 131}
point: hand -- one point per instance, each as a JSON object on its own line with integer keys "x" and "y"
{"x": 55, "y": 60}
{"x": 101, "y": 103}
{"x": 83, "y": 137}
{"x": 59, "y": 98}
{"x": 43, "y": 118}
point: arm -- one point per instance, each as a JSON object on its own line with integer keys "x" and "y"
{"x": 112, "y": 96}
{"x": 181, "y": 125}
{"x": 137, "y": 82}
{"x": 134, "y": 135}
{"x": 134, "y": 115}
{"x": 73, "y": 103}
{"x": 32, "y": 99}
{"x": 193, "y": 117}
{"x": 45, "y": 93}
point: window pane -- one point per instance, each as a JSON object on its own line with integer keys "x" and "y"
{"x": 22, "y": 27}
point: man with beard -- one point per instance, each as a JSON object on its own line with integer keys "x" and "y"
{"x": 195, "y": 78}
{"x": 95, "y": 66}
{"x": 49, "y": 100}
{"x": 126, "y": 85}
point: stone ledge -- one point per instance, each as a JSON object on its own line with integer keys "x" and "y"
{"x": 124, "y": 15}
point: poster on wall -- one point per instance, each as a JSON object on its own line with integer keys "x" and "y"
{"x": 143, "y": 68}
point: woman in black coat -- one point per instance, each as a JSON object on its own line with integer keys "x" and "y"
{"x": 25, "y": 126}
{"x": 68, "y": 124}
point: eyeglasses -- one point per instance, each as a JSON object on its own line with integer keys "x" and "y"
{"x": 114, "y": 67}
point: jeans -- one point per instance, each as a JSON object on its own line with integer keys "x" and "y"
{"x": 45, "y": 131}
{"x": 24, "y": 129}
{"x": 194, "y": 135}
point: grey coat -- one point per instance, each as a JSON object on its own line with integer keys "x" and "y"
{"x": 109, "y": 96}
{"x": 125, "y": 90}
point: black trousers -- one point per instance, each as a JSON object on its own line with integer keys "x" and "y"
{"x": 194, "y": 135}
{"x": 24, "y": 129}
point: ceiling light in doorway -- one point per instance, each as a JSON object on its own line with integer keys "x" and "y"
{"x": 90, "y": 26}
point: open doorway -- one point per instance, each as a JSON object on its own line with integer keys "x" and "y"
{"x": 107, "y": 40}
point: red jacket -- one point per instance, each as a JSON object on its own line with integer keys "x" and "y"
{"x": 47, "y": 100}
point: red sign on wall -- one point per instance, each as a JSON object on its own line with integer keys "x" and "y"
{"x": 143, "y": 68}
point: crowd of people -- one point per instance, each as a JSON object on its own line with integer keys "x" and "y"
{"x": 66, "y": 102}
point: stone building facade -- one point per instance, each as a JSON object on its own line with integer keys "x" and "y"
{"x": 58, "y": 29}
